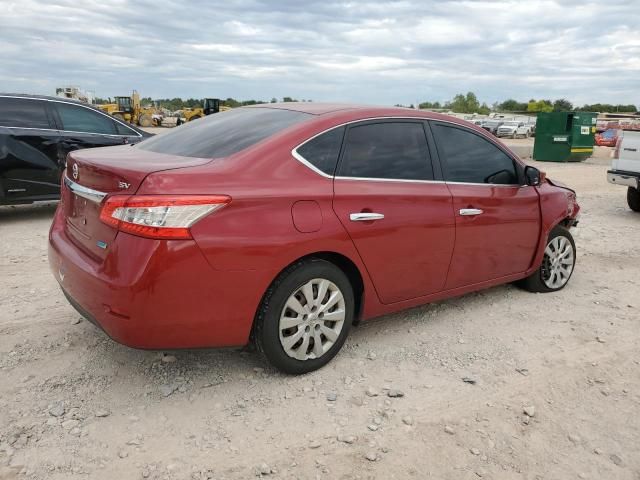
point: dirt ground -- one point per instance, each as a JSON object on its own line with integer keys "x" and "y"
{"x": 74, "y": 404}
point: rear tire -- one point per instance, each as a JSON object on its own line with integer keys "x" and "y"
{"x": 557, "y": 265}
{"x": 293, "y": 329}
{"x": 633, "y": 199}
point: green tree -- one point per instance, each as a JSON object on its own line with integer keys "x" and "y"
{"x": 562, "y": 105}
{"x": 424, "y": 105}
{"x": 274, "y": 100}
{"x": 288, "y": 99}
{"x": 606, "y": 107}
{"x": 464, "y": 103}
{"x": 540, "y": 106}
{"x": 512, "y": 105}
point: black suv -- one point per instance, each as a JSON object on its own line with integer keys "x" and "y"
{"x": 37, "y": 132}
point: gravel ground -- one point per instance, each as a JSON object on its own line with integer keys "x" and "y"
{"x": 496, "y": 384}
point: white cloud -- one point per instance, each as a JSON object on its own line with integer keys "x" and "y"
{"x": 365, "y": 51}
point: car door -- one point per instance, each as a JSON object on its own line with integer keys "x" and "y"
{"x": 29, "y": 166}
{"x": 497, "y": 217}
{"x": 84, "y": 127}
{"x": 396, "y": 210}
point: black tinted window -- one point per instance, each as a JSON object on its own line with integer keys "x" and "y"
{"x": 322, "y": 152}
{"x": 22, "y": 112}
{"x": 395, "y": 150}
{"x": 124, "y": 130}
{"x": 80, "y": 119}
{"x": 472, "y": 159}
{"x": 223, "y": 134}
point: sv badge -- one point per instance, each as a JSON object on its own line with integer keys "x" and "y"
{"x": 123, "y": 185}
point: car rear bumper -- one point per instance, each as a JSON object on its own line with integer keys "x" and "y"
{"x": 628, "y": 179}
{"x": 155, "y": 294}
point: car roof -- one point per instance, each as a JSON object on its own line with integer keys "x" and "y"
{"x": 50, "y": 98}
{"x": 45, "y": 97}
{"x": 355, "y": 111}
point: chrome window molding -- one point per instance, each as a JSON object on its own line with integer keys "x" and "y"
{"x": 73, "y": 131}
{"x": 306, "y": 163}
{"x": 373, "y": 179}
{"x": 510, "y": 185}
{"x": 84, "y": 192}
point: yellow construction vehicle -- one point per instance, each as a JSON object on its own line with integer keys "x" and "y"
{"x": 130, "y": 110}
{"x": 210, "y": 105}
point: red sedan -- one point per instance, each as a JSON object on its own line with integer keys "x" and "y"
{"x": 285, "y": 224}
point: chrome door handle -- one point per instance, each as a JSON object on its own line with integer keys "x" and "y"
{"x": 470, "y": 211}
{"x": 365, "y": 216}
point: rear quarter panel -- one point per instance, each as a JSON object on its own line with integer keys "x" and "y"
{"x": 256, "y": 232}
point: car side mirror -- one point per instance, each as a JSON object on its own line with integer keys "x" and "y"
{"x": 533, "y": 176}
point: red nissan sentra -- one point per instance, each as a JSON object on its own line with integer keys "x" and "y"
{"x": 285, "y": 224}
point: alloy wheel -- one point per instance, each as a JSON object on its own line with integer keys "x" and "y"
{"x": 312, "y": 319}
{"x": 558, "y": 262}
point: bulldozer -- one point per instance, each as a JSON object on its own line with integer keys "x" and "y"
{"x": 130, "y": 110}
{"x": 210, "y": 105}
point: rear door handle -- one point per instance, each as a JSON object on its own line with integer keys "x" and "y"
{"x": 470, "y": 211}
{"x": 365, "y": 216}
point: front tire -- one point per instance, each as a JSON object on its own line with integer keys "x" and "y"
{"x": 633, "y": 199}
{"x": 557, "y": 265}
{"x": 305, "y": 316}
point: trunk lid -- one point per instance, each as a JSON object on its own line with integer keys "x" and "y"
{"x": 111, "y": 170}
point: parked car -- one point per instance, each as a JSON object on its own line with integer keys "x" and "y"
{"x": 37, "y": 133}
{"x": 514, "y": 130}
{"x": 608, "y": 138}
{"x": 625, "y": 167}
{"x": 285, "y": 224}
{"x": 492, "y": 126}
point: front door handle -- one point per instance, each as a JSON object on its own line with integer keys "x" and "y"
{"x": 365, "y": 216}
{"x": 470, "y": 211}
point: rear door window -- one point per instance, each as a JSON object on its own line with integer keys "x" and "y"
{"x": 23, "y": 113}
{"x": 390, "y": 150}
{"x": 223, "y": 134}
{"x": 124, "y": 130}
{"x": 322, "y": 151}
{"x": 76, "y": 118}
{"x": 469, "y": 158}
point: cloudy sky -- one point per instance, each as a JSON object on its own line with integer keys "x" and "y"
{"x": 359, "y": 51}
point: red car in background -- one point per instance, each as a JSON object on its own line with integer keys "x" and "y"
{"x": 285, "y": 224}
{"x": 608, "y": 138}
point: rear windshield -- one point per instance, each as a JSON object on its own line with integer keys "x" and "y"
{"x": 223, "y": 134}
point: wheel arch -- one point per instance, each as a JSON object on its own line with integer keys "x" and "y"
{"x": 341, "y": 261}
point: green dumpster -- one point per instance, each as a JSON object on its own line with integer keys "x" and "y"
{"x": 564, "y": 136}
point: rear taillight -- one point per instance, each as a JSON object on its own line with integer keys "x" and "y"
{"x": 159, "y": 216}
